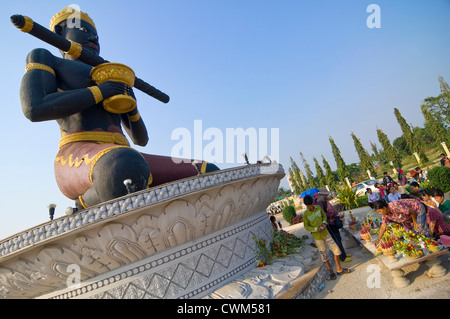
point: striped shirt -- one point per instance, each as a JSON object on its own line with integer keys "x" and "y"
{"x": 435, "y": 215}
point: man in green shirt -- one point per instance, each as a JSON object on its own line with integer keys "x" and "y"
{"x": 315, "y": 221}
{"x": 444, "y": 205}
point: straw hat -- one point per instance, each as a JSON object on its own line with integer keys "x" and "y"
{"x": 324, "y": 191}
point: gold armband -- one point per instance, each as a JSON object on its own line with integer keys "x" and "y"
{"x": 135, "y": 117}
{"x": 74, "y": 50}
{"x": 98, "y": 96}
{"x": 28, "y": 26}
{"x": 39, "y": 66}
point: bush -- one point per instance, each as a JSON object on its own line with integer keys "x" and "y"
{"x": 297, "y": 219}
{"x": 408, "y": 189}
{"x": 425, "y": 185}
{"x": 362, "y": 201}
{"x": 282, "y": 244}
{"x": 289, "y": 214}
{"x": 347, "y": 197}
{"x": 439, "y": 177}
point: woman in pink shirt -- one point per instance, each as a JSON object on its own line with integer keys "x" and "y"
{"x": 410, "y": 213}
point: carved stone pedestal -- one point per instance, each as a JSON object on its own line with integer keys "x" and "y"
{"x": 187, "y": 271}
{"x": 177, "y": 240}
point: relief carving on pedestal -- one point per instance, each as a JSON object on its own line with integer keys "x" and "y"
{"x": 130, "y": 239}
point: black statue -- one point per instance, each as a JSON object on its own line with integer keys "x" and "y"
{"x": 94, "y": 157}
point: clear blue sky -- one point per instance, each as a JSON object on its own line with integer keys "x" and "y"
{"x": 313, "y": 69}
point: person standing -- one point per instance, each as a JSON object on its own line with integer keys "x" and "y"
{"x": 315, "y": 221}
{"x": 387, "y": 179}
{"x": 401, "y": 178}
{"x": 273, "y": 222}
{"x": 444, "y": 160}
{"x": 333, "y": 220}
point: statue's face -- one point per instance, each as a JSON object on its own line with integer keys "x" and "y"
{"x": 82, "y": 33}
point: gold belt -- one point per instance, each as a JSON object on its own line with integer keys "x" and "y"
{"x": 93, "y": 136}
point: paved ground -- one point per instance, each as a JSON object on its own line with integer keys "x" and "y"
{"x": 361, "y": 282}
{"x": 371, "y": 280}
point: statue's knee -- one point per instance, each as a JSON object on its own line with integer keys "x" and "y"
{"x": 211, "y": 168}
{"x": 116, "y": 166}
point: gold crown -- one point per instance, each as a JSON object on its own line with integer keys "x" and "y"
{"x": 69, "y": 12}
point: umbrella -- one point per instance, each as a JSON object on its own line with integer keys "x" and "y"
{"x": 310, "y": 192}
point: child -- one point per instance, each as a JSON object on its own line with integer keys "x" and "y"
{"x": 273, "y": 221}
{"x": 315, "y": 221}
{"x": 383, "y": 194}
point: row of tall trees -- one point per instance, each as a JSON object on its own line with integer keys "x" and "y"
{"x": 436, "y": 112}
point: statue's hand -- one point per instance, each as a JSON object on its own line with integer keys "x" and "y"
{"x": 111, "y": 88}
{"x": 130, "y": 91}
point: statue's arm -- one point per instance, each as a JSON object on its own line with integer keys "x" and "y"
{"x": 39, "y": 94}
{"x": 135, "y": 127}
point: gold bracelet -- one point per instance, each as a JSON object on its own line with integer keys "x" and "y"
{"x": 39, "y": 66}
{"x": 135, "y": 117}
{"x": 74, "y": 50}
{"x": 98, "y": 96}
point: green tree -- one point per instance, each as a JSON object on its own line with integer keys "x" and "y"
{"x": 444, "y": 107}
{"x": 302, "y": 180}
{"x": 423, "y": 135}
{"x": 289, "y": 214}
{"x": 434, "y": 122}
{"x": 296, "y": 179}
{"x": 401, "y": 146}
{"x": 411, "y": 138}
{"x": 356, "y": 172}
{"x": 292, "y": 181}
{"x": 283, "y": 192}
{"x": 319, "y": 173}
{"x": 365, "y": 160}
{"x": 342, "y": 169}
{"x": 329, "y": 176}
{"x": 309, "y": 175}
{"x": 377, "y": 155}
{"x": 389, "y": 151}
